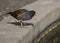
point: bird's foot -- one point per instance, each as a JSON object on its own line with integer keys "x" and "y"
{"x": 22, "y": 25}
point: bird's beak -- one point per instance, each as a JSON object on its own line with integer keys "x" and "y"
{"x": 35, "y": 14}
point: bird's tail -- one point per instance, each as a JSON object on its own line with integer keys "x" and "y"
{"x": 3, "y": 15}
{"x": 9, "y": 13}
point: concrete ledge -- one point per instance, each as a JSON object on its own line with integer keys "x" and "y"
{"x": 46, "y": 14}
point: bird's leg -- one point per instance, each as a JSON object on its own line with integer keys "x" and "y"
{"x": 22, "y": 25}
{"x": 20, "y": 21}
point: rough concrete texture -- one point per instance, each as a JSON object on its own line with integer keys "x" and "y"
{"x": 6, "y": 5}
{"x": 46, "y": 12}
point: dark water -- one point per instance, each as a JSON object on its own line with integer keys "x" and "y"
{"x": 52, "y": 37}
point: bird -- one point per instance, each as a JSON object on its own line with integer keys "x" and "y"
{"x": 22, "y": 15}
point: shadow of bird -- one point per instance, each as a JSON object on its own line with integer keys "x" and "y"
{"x": 18, "y": 24}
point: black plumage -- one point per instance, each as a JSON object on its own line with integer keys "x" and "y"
{"x": 26, "y": 16}
{"x": 22, "y": 14}
{"x": 17, "y": 12}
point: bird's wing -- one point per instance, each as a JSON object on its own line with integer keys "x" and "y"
{"x": 24, "y": 16}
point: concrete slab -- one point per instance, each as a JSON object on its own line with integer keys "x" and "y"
{"x": 47, "y": 12}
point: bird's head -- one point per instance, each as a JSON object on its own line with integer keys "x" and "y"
{"x": 33, "y": 13}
